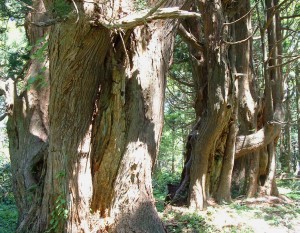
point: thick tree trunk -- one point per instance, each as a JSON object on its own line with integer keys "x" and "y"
{"x": 93, "y": 172}
{"x": 273, "y": 95}
{"x": 223, "y": 193}
{"x": 205, "y": 143}
{"x": 246, "y": 99}
{"x": 28, "y": 129}
{"x": 106, "y": 119}
{"x": 219, "y": 108}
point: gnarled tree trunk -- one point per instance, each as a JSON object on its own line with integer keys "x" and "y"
{"x": 92, "y": 160}
{"x": 28, "y": 130}
{"x": 215, "y": 119}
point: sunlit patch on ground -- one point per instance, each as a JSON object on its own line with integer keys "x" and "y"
{"x": 259, "y": 215}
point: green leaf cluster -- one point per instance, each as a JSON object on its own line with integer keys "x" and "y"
{"x": 61, "y": 8}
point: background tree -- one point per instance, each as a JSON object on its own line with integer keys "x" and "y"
{"x": 255, "y": 131}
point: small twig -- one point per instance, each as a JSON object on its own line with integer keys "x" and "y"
{"x": 155, "y": 8}
{"x": 124, "y": 46}
{"x": 239, "y": 19}
{"x": 289, "y": 17}
{"x": 285, "y": 63}
{"x": 76, "y": 11}
{"x": 46, "y": 23}
{"x": 189, "y": 38}
{"x": 241, "y": 41}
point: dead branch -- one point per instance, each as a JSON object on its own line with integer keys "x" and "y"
{"x": 142, "y": 17}
{"x": 285, "y": 63}
{"x": 189, "y": 38}
{"x": 241, "y": 41}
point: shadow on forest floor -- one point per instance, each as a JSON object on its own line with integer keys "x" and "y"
{"x": 259, "y": 215}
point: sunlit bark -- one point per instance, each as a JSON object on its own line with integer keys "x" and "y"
{"x": 93, "y": 172}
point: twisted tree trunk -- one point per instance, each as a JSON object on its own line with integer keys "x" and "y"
{"x": 87, "y": 152}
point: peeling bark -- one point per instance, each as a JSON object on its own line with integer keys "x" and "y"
{"x": 27, "y": 128}
{"x": 92, "y": 161}
{"x": 114, "y": 124}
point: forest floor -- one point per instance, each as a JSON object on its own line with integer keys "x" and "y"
{"x": 258, "y": 215}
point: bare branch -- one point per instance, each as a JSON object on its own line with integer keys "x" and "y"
{"x": 142, "y": 17}
{"x": 289, "y": 17}
{"x": 285, "y": 63}
{"x": 241, "y": 41}
{"x": 77, "y": 12}
{"x": 181, "y": 81}
{"x": 155, "y": 8}
{"x": 46, "y": 23}
{"x": 189, "y": 38}
{"x": 245, "y": 15}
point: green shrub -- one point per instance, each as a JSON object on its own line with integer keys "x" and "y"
{"x": 8, "y": 209}
{"x": 8, "y": 218}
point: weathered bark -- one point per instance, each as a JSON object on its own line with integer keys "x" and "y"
{"x": 223, "y": 193}
{"x": 247, "y": 110}
{"x": 219, "y": 106}
{"x": 298, "y": 115}
{"x": 109, "y": 109}
{"x": 285, "y": 155}
{"x": 273, "y": 94}
{"x": 93, "y": 172}
{"x": 251, "y": 157}
{"x": 28, "y": 128}
{"x": 265, "y": 138}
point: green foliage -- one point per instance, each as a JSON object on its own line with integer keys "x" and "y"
{"x": 140, "y": 5}
{"x": 39, "y": 80}
{"x": 39, "y": 55}
{"x": 8, "y": 209}
{"x": 14, "y": 51}
{"x": 293, "y": 187}
{"x": 178, "y": 222}
{"x": 61, "y": 8}
{"x": 42, "y": 50}
{"x": 160, "y": 181}
{"x": 14, "y": 9}
{"x": 280, "y": 214}
{"x": 240, "y": 208}
{"x": 60, "y": 212}
{"x": 179, "y": 112}
{"x": 8, "y": 218}
{"x": 6, "y": 195}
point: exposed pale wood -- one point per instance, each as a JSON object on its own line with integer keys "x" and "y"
{"x": 142, "y": 17}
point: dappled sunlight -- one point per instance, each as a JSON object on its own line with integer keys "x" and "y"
{"x": 236, "y": 217}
